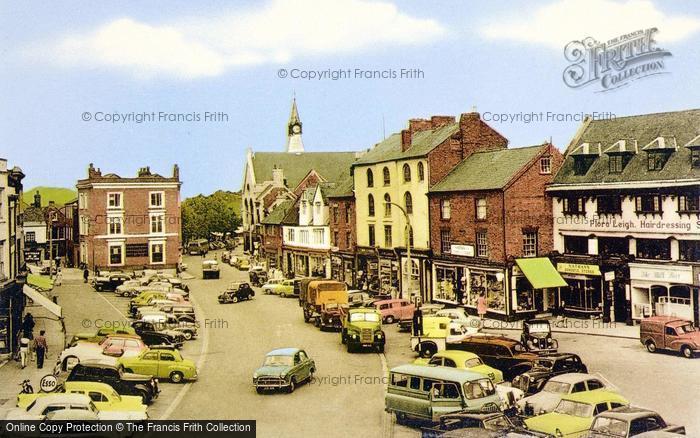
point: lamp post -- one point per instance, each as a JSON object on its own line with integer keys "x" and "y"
{"x": 408, "y": 245}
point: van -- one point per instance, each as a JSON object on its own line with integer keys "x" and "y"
{"x": 427, "y": 393}
{"x": 670, "y": 333}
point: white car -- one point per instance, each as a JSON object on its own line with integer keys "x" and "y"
{"x": 557, "y": 387}
{"x": 268, "y": 286}
{"x": 460, "y": 317}
{"x": 40, "y": 408}
{"x": 92, "y": 350}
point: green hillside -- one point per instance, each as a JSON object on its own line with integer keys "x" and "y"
{"x": 58, "y": 195}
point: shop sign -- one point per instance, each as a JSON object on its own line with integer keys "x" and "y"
{"x": 664, "y": 273}
{"x": 462, "y": 250}
{"x": 610, "y": 276}
{"x": 578, "y": 269}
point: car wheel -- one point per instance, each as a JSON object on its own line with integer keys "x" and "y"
{"x": 259, "y": 390}
{"x": 145, "y": 396}
{"x": 427, "y": 349}
{"x": 266, "y": 291}
{"x": 389, "y": 319}
{"x": 98, "y": 288}
{"x": 176, "y": 377}
{"x": 350, "y": 348}
{"x": 651, "y": 346}
{"x": 292, "y": 385}
{"x": 400, "y": 417}
{"x": 343, "y": 340}
{"x": 234, "y": 299}
{"x": 687, "y": 351}
{"x": 380, "y": 348}
{"x": 187, "y": 336}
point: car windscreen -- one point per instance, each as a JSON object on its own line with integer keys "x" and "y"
{"x": 473, "y": 362}
{"x": 687, "y": 328}
{"x": 576, "y": 409}
{"x": 497, "y": 424}
{"x": 478, "y": 389}
{"x": 274, "y": 361}
{"x": 371, "y": 317}
{"x": 610, "y": 426}
{"x": 544, "y": 363}
{"x": 540, "y": 327}
{"x": 556, "y": 387}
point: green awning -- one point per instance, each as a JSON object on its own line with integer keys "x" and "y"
{"x": 540, "y": 273}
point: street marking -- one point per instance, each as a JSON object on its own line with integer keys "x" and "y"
{"x": 112, "y": 305}
{"x": 387, "y": 419}
{"x": 200, "y": 365}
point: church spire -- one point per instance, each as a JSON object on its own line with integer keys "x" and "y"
{"x": 294, "y": 142}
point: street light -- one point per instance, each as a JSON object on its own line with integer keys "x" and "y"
{"x": 409, "y": 229}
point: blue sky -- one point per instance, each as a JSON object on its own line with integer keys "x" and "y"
{"x": 63, "y": 59}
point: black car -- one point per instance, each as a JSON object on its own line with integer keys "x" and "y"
{"x": 500, "y": 352}
{"x": 537, "y": 336}
{"x": 236, "y": 292}
{"x": 124, "y": 383}
{"x": 109, "y": 282}
{"x": 152, "y": 335}
{"x": 546, "y": 367}
{"x": 477, "y": 425}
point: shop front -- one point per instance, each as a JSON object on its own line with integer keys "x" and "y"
{"x": 343, "y": 268}
{"x": 583, "y": 296}
{"x": 11, "y": 309}
{"x": 662, "y": 289}
{"x": 535, "y": 289}
{"x": 388, "y": 273}
{"x": 413, "y": 276}
{"x": 367, "y": 269}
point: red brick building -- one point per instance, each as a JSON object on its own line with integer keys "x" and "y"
{"x": 486, "y": 215}
{"x": 130, "y": 223}
{"x": 341, "y": 201}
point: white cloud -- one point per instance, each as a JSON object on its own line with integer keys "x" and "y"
{"x": 281, "y": 31}
{"x": 563, "y": 21}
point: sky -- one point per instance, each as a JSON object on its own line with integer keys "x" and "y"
{"x": 68, "y": 67}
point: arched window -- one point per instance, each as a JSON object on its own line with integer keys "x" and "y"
{"x": 408, "y": 202}
{"x": 387, "y": 205}
{"x": 370, "y": 205}
{"x": 421, "y": 171}
{"x": 387, "y": 178}
{"x": 406, "y": 173}
{"x": 370, "y": 178}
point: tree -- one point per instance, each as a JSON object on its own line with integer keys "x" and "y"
{"x": 216, "y": 213}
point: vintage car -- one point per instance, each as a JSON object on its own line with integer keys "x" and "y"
{"x": 109, "y": 282}
{"x": 574, "y": 414}
{"x": 210, "y": 269}
{"x": 175, "y": 308}
{"x": 271, "y": 284}
{"x": 462, "y": 360}
{"x": 428, "y": 393}
{"x": 629, "y": 421}
{"x": 283, "y": 288}
{"x": 257, "y": 276}
{"x": 537, "y": 336}
{"x": 670, "y": 333}
{"x": 395, "y": 309}
{"x": 225, "y": 257}
{"x": 459, "y": 316}
{"x": 331, "y": 317}
{"x": 145, "y": 298}
{"x": 113, "y": 345}
{"x": 406, "y": 323}
{"x": 557, "y": 387}
{"x": 243, "y": 264}
{"x": 435, "y": 333}
{"x": 546, "y": 367}
{"x": 358, "y": 298}
{"x": 147, "y": 328}
{"x": 161, "y": 363}
{"x": 134, "y": 288}
{"x": 362, "y": 328}
{"x": 236, "y": 292}
{"x": 165, "y": 321}
{"x": 140, "y": 385}
{"x": 476, "y": 425}
{"x": 500, "y": 352}
{"x": 101, "y": 334}
{"x": 283, "y": 368}
{"x": 42, "y": 406}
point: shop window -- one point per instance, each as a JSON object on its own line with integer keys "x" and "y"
{"x": 388, "y": 238}
{"x": 387, "y": 205}
{"x": 445, "y": 211}
{"x": 446, "y": 283}
{"x": 408, "y": 202}
{"x": 613, "y": 246}
{"x": 487, "y": 283}
{"x": 695, "y": 158}
{"x": 445, "y": 241}
{"x": 581, "y": 294}
{"x": 576, "y": 245}
{"x": 689, "y": 250}
{"x": 689, "y": 203}
{"x": 406, "y": 173}
{"x": 647, "y": 204}
{"x": 370, "y": 205}
{"x": 387, "y": 176}
{"x": 482, "y": 245}
{"x": 370, "y": 178}
{"x": 421, "y": 171}
{"x": 654, "y": 249}
{"x": 574, "y": 205}
{"x": 370, "y": 235}
{"x": 609, "y": 204}
{"x": 546, "y": 165}
{"x": 530, "y": 244}
{"x": 480, "y": 209}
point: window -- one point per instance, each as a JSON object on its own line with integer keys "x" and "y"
{"x": 656, "y": 160}
{"x": 615, "y": 163}
{"x": 347, "y": 213}
{"x": 304, "y": 236}
{"x": 408, "y": 202}
{"x": 370, "y": 205}
{"x": 482, "y": 246}
{"x": 150, "y": 356}
{"x": 689, "y": 250}
{"x": 594, "y": 384}
{"x": 319, "y": 237}
{"x": 116, "y": 255}
{"x": 546, "y": 165}
{"x": 114, "y": 225}
{"x": 387, "y": 205}
{"x": 335, "y": 214}
{"x": 578, "y": 387}
{"x": 574, "y": 205}
{"x": 387, "y": 177}
{"x": 370, "y": 235}
{"x": 600, "y": 408}
{"x": 406, "y": 173}
{"x": 414, "y": 383}
{"x": 30, "y": 237}
{"x": 157, "y": 224}
{"x": 399, "y": 380}
{"x": 156, "y": 199}
{"x": 530, "y": 244}
{"x": 137, "y": 250}
{"x": 157, "y": 253}
{"x": 648, "y": 204}
{"x": 445, "y": 209}
{"x": 445, "y": 241}
{"x": 481, "y": 209}
{"x": 689, "y": 203}
{"x": 114, "y": 200}
{"x": 370, "y": 178}
{"x": 575, "y": 245}
{"x": 654, "y": 249}
{"x": 290, "y": 234}
{"x": 388, "y": 241}
{"x": 335, "y": 238}
{"x": 421, "y": 171}
{"x": 82, "y": 200}
{"x": 695, "y": 158}
{"x": 167, "y": 356}
{"x": 609, "y": 204}
{"x": 348, "y": 239}
{"x": 613, "y": 246}
{"x": 582, "y": 164}
{"x": 410, "y": 236}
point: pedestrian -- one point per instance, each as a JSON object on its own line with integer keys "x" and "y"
{"x": 28, "y": 326}
{"x": 41, "y": 349}
{"x": 23, "y": 351}
{"x": 86, "y": 274}
{"x": 481, "y": 306}
{"x": 418, "y": 322}
{"x": 59, "y": 278}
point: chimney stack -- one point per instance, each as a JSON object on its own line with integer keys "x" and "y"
{"x": 406, "y": 138}
{"x": 278, "y": 177}
{"x": 37, "y": 199}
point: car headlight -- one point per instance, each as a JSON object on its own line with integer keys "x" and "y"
{"x": 379, "y": 335}
{"x": 549, "y": 341}
{"x": 255, "y": 376}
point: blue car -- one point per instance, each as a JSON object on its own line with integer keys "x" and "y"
{"x": 284, "y": 368}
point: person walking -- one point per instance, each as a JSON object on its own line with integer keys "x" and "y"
{"x": 481, "y": 306}
{"x": 28, "y": 326}
{"x": 41, "y": 349}
{"x": 86, "y": 274}
{"x": 23, "y": 351}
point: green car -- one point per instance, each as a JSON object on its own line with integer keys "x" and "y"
{"x": 462, "y": 360}
{"x": 575, "y": 413}
{"x": 362, "y": 327}
{"x": 284, "y": 368}
{"x": 100, "y": 334}
{"x": 284, "y": 288}
{"x": 162, "y": 363}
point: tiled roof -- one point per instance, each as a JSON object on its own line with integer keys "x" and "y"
{"x": 422, "y": 143}
{"x": 676, "y": 128}
{"x": 330, "y": 165}
{"x": 34, "y": 214}
{"x": 487, "y": 170}
{"x": 278, "y": 213}
{"x": 342, "y": 188}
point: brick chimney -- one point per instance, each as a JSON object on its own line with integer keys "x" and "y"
{"x": 144, "y": 171}
{"x": 37, "y": 199}
{"x": 93, "y": 173}
{"x": 406, "y": 138}
{"x": 176, "y": 172}
{"x": 476, "y": 136}
{"x": 277, "y": 177}
{"x": 440, "y": 121}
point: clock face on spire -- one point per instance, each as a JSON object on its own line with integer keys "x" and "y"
{"x": 296, "y": 129}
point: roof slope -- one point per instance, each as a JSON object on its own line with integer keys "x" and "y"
{"x": 683, "y": 125}
{"x": 340, "y": 189}
{"x": 421, "y": 144}
{"x": 277, "y": 215}
{"x": 330, "y": 165}
{"x": 487, "y": 170}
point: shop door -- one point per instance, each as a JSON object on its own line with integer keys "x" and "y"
{"x": 539, "y": 300}
{"x": 620, "y": 297}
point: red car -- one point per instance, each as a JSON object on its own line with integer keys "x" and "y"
{"x": 395, "y": 309}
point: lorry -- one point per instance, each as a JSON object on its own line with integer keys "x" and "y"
{"x": 362, "y": 328}
{"x": 198, "y": 247}
{"x": 320, "y": 293}
{"x": 210, "y": 269}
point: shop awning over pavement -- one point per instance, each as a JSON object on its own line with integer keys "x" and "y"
{"x": 40, "y": 299}
{"x": 540, "y": 272}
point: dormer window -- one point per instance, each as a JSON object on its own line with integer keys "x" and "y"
{"x": 584, "y": 156}
{"x": 656, "y": 160}
{"x": 695, "y": 158}
{"x": 582, "y": 164}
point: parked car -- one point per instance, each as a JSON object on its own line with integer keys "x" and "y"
{"x": 40, "y": 409}
{"x": 546, "y": 367}
{"x": 362, "y": 328}
{"x": 162, "y": 320}
{"x": 670, "y": 333}
{"x": 210, "y": 269}
{"x": 243, "y": 264}
{"x": 406, "y": 323}
{"x": 537, "y": 336}
{"x": 474, "y": 425}
{"x": 284, "y": 368}
{"x": 435, "y": 333}
{"x": 283, "y": 288}
{"x": 147, "y": 329}
{"x": 557, "y": 387}
{"x": 395, "y": 309}
{"x": 113, "y": 345}
{"x": 500, "y": 352}
{"x": 179, "y": 310}
{"x": 358, "y": 298}
{"x": 460, "y": 317}
{"x": 161, "y": 363}
{"x": 462, "y": 360}
{"x": 257, "y": 276}
{"x": 331, "y": 317}
{"x": 628, "y": 421}
{"x": 575, "y": 413}
{"x": 144, "y": 298}
{"x": 198, "y": 247}
{"x": 109, "y": 282}
{"x": 236, "y": 292}
{"x": 101, "y": 334}
{"x": 141, "y": 385}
